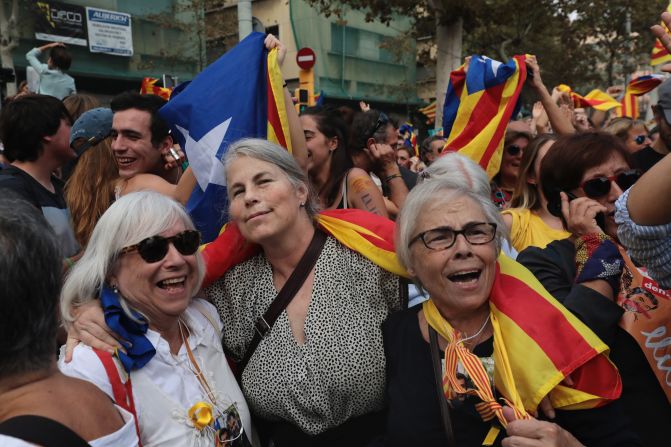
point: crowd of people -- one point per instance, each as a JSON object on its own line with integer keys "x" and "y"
{"x": 363, "y": 292}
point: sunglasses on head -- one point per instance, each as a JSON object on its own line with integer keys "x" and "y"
{"x": 154, "y": 248}
{"x": 381, "y": 121}
{"x": 513, "y": 150}
{"x": 600, "y": 186}
{"x": 640, "y": 139}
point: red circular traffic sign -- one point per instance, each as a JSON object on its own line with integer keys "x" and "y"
{"x": 305, "y": 58}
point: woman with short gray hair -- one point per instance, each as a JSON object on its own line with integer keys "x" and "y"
{"x": 449, "y": 239}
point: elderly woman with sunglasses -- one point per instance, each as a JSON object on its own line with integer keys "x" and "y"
{"x": 590, "y": 273}
{"x": 497, "y": 328}
{"x": 142, "y": 263}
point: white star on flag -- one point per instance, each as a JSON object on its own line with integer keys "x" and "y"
{"x": 203, "y": 155}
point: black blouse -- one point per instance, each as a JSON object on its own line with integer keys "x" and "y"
{"x": 413, "y": 415}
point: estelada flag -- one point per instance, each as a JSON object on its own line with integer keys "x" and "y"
{"x": 659, "y": 54}
{"x": 149, "y": 87}
{"x": 368, "y": 234}
{"x": 479, "y": 103}
{"x": 644, "y": 84}
{"x": 238, "y": 96}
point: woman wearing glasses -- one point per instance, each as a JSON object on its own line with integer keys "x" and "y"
{"x": 488, "y": 329}
{"x": 527, "y": 219}
{"x": 591, "y": 274}
{"x": 518, "y": 135}
{"x": 142, "y": 263}
{"x": 633, "y": 133}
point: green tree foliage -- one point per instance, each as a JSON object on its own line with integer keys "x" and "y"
{"x": 581, "y": 43}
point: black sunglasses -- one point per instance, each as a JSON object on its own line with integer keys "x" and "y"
{"x": 600, "y": 186}
{"x": 381, "y": 121}
{"x": 154, "y": 248}
{"x": 640, "y": 139}
{"x": 513, "y": 150}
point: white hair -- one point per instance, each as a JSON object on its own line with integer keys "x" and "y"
{"x": 439, "y": 191}
{"x": 129, "y": 220}
{"x": 460, "y": 171}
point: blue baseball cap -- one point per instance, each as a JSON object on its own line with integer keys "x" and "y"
{"x": 94, "y": 126}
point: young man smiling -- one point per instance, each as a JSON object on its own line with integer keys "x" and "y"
{"x": 140, "y": 137}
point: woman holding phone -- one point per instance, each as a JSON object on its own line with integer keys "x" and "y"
{"x": 591, "y": 274}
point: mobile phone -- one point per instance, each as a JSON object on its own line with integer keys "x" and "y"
{"x": 554, "y": 207}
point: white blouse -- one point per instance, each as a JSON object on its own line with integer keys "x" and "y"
{"x": 166, "y": 387}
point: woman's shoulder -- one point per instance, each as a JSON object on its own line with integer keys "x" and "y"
{"x": 399, "y": 323}
{"x": 86, "y": 365}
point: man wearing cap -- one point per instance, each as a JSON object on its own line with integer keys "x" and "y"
{"x": 35, "y": 131}
{"x": 650, "y": 155}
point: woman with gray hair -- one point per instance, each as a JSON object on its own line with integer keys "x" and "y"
{"x": 490, "y": 318}
{"x": 142, "y": 262}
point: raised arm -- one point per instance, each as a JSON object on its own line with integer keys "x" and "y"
{"x": 560, "y": 125}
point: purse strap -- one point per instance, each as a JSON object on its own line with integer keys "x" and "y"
{"x": 284, "y": 297}
{"x": 438, "y": 378}
{"x": 41, "y": 431}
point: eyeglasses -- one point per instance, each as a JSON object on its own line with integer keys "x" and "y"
{"x": 513, "y": 150}
{"x": 442, "y": 238}
{"x": 640, "y": 139}
{"x": 381, "y": 121}
{"x": 600, "y": 186}
{"x": 154, "y": 248}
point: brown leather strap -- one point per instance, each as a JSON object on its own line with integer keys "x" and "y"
{"x": 438, "y": 376}
{"x": 284, "y": 297}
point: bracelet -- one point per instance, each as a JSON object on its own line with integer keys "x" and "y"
{"x": 391, "y": 177}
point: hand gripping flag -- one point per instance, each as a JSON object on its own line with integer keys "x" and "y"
{"x": 659, "y": 54}
{"x": 479, "y": 103}
{"x": 240, "y": 95}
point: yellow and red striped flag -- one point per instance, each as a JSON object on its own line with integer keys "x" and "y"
{"x": 629, "y": 106}
{"x": 596, "y": 99}
{"x": 430, "y": 112}
{"x": 149, "y": 87}
{"x": 659, "y": 53}
{"x": 635, "y": 88}
{"x": 368, "y": 234}
{"x": 479, "y": 103}
{"x": 278, "y": 123}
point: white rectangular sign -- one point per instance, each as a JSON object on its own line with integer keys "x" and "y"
{"x": 109, "y": 32}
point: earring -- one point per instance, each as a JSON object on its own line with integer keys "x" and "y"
{"x": 302, "y": 204}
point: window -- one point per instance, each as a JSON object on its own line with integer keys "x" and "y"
{"x": 274, "y": 30}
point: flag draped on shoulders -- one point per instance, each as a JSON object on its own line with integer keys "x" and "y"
{"x": 368, "y": 234}
{"x": 479, "y": 103}
{"x": 537, "y": 344}
{"x": 238, "y": 96}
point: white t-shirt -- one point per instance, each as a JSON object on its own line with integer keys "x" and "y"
{"x": 166, "y": 387}
{"x": 124, "y": 437}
